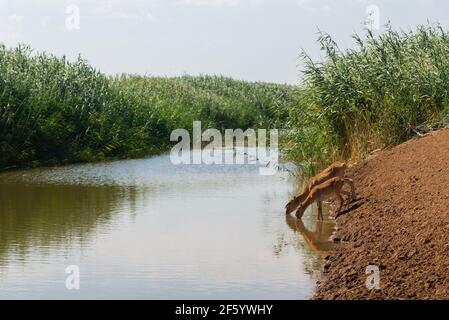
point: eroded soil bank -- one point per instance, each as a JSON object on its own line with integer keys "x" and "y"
{"x": 400, "y": 223}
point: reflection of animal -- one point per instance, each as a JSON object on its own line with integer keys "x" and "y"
{"x": 324, "y": 191}
{"x": 319, "y": 240}
{"x": 337, "y": 169}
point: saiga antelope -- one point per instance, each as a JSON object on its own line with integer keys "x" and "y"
{"x": 324, "y": 191}
{"x": 337, "y": 169}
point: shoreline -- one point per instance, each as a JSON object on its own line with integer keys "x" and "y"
{"x": 399, "y": 223}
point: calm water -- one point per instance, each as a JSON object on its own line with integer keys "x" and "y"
{"x": 147, "y": 229}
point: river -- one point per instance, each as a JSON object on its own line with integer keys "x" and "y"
{"x": 147, "y": 229}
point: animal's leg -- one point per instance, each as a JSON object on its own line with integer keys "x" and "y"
{"x": 319, "y": 228}
{"x": 340, "y": 199}
{"x": 320, "y": 210}
{"x": 348, "y": 195}
{"x": 351, "y": 183}
{"x": 299, "y": 213}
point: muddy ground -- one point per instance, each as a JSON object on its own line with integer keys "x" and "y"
{"x": 400, "y": 223}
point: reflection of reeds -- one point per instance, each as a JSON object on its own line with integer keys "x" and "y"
{"x": 46, "y": 217}
{"x": 370, "y": 97}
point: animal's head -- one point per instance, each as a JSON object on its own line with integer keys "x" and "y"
{"x": 293, "y": 204}
{"x": 300, "y": 211}
{"x": 289, "y": 207}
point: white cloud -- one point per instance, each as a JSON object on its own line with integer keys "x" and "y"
{"x": 302, "y": 2}
{"x": 319, "y": 6}
{"x": 130, "y": 16}
{"x": 10, "y": 37}
{"x": 137, "y": 10}
{"x": 43, "y": 22}
{"x": 219, "y": 3}
{"x": 14, "y": 18}
{"x": 208, "y": 3}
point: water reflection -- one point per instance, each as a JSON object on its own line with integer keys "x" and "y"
{"x": 148, "y": 229}
{"x": 309, "y": 237}
{"x": 55, "y": 216}
{"x": 318, "y": 240}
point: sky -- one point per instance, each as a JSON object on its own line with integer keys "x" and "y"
{"x": 255, "y": 40}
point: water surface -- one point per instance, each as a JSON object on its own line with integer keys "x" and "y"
{"x": 147, "y": 229}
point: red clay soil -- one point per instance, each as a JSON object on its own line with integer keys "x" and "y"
{"x": 399, "y": 222}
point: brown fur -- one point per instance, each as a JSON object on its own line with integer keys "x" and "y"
{"x": 337, "y": 169}
{"x": 324, "y": 191}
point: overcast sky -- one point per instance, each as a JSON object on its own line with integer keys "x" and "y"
{"x": 247, "y": 39}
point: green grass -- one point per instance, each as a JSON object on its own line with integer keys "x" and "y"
{"x": 348, "y": 105}
{"x": 54, "y": 111}
{"x": 370, "y": 97}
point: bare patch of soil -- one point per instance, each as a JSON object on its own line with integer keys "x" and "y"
{"x": 399, "y": 222}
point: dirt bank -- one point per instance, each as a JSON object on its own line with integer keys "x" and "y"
{"x": 400, "y": 223}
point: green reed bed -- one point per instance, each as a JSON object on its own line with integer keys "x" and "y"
{"x": 54, "y": 111}
{"x": 370, "y": 97}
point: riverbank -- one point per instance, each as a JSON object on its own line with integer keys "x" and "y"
{"x": 400, "y": 222}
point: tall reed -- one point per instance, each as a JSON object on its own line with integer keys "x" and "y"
{"x": 56, "y": 111}
{"x": 370, "y": 97}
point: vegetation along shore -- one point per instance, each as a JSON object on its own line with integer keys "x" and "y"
{"x": 55, "y": 111}
{"x": 390, "y": 88}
